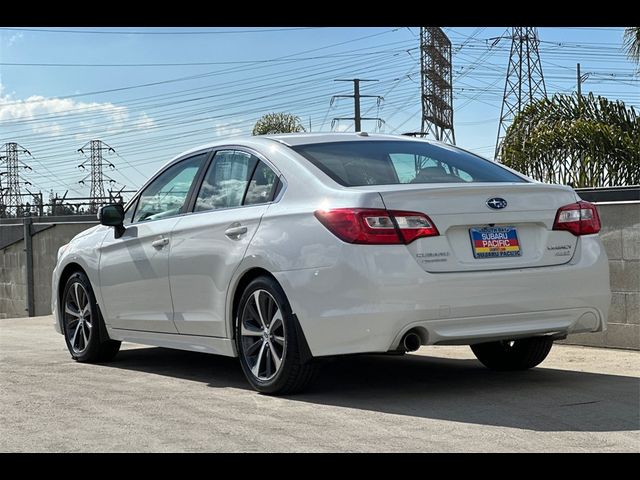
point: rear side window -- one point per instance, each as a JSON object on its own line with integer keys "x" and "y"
{"x": 262, "y": 185}
{"x": 392, "y": 162}
{"x": 226, "y": 181}
{"x": 236, "y": 178}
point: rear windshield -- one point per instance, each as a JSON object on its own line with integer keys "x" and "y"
{"x": 377, "y": 162}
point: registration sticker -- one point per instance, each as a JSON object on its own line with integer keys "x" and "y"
{"x": 492, "y": 242}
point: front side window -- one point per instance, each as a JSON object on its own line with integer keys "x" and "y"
{"x": 166, "y": 195}
{"x": 385, "y": 162}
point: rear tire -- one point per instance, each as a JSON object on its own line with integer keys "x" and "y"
{"x": 82, "y": 323}
{"x": 513, "y": 355}
{"x": 268, "y": 343}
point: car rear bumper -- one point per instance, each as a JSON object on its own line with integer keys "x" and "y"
{"x": 374, "y": 294}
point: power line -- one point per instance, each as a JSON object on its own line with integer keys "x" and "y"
{"x": 131, "y": 32}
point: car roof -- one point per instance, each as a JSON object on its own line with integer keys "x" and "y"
{"x": 295, "y": 139}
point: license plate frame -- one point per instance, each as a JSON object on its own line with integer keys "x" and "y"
{"x": 495, "y": 242}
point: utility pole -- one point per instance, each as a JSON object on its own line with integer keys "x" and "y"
{"x": 357, "y": 118}
{"x": 11, "y": 193}
{"x": 524, "y": 82}
{"x": 579, "y": 82}
{"x": 96, "y": 175}
{"x": 580, "y": 78}
{"x": 436, "y": 85}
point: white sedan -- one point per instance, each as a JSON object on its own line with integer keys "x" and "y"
{"x": 285, "y": 249}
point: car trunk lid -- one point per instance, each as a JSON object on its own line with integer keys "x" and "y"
{"x": 474, "y": 236}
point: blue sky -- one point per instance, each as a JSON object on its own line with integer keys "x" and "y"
{"x": 153, "y": 92}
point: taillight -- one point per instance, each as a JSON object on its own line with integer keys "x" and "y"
{"x": 580, "y": 218}
{"x": 376, "y": 226}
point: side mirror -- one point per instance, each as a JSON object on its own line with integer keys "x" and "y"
{"x": 112, "y": 216}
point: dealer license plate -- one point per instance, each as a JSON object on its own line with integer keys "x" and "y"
{"x": 492, "y": 242}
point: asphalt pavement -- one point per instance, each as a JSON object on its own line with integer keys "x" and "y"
{"x": 439, "y": 399}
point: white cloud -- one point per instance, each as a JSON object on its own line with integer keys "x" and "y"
{"x": 54, "y": 116}
{"x": 226, "y": 130}
{"x": 144, "y": 122}
{"x": 341, "y": 127}
{"x": 14, "y": 38}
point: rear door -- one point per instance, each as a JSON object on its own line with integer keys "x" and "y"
{"x": 209, "y": 244}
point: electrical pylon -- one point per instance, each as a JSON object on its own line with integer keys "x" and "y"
{"x": 524, "y": 82}
{"x": 11, "y": 194}
{"x": 436, "y": 85}
{"x": 96, "y": 174}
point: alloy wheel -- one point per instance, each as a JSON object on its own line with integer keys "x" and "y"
{"x": 262, "y": 334}
{"x": 78, "y": 318}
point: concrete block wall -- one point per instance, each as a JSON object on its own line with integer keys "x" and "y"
{"x": 621, "y": 237}
{"x": 45, "y": 251}
{"x": 13, "y": 270}
{"x": 13, "y": 281}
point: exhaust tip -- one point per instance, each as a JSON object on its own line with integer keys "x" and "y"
{"x": 411, "y": 341}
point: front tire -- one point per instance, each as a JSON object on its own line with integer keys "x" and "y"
{"x": 82, "y": 323}
{"x": 513, "y": 355}
{"x": 268, "y": 341}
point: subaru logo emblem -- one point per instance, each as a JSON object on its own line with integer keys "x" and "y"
{"x": 497, "y": 203}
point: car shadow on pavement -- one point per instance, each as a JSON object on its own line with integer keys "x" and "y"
{"x": 457, "y": 390}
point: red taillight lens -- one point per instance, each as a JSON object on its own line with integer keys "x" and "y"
{"x": 376, "y": 226}
{"x": 580, "y": 218}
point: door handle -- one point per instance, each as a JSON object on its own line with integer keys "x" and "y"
{"x": 161, "y": 242}
{"x": 235, "y": 232}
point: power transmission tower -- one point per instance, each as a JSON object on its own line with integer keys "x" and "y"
{"x": 436, "y": 85}
{"x": 525, "y": 81}
{"x": 96, "y": 175}
{"x": 11, "y": 199}
{"x": 357, "y": 118}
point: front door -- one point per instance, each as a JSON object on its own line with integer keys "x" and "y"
{"x": 208, "y": 245}
{"x": 134, "y": 269}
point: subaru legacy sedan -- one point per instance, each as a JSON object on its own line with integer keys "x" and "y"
{"x": 285, "y": 249}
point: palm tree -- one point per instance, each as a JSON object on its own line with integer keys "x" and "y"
{"x": 584, "y": 142}
{"x": 632, "y": 43}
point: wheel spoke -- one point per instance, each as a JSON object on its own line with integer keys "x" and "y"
{"x": 274, "y": 356}
{"x": 250, "y": 332}
{"x": 76, "y": 296}
{"x": 279, "y": 339}
{"x": 270, "y": 306}
{"x": 68, "y": 309}
{"x": 250, "y": 350}
{"x": 84, "y": 336}
{"x": 256, "y": 367}
{"x": 276, "y": 320}
{"x": 75, "y": 335}
{"x": 256, "y": 299}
